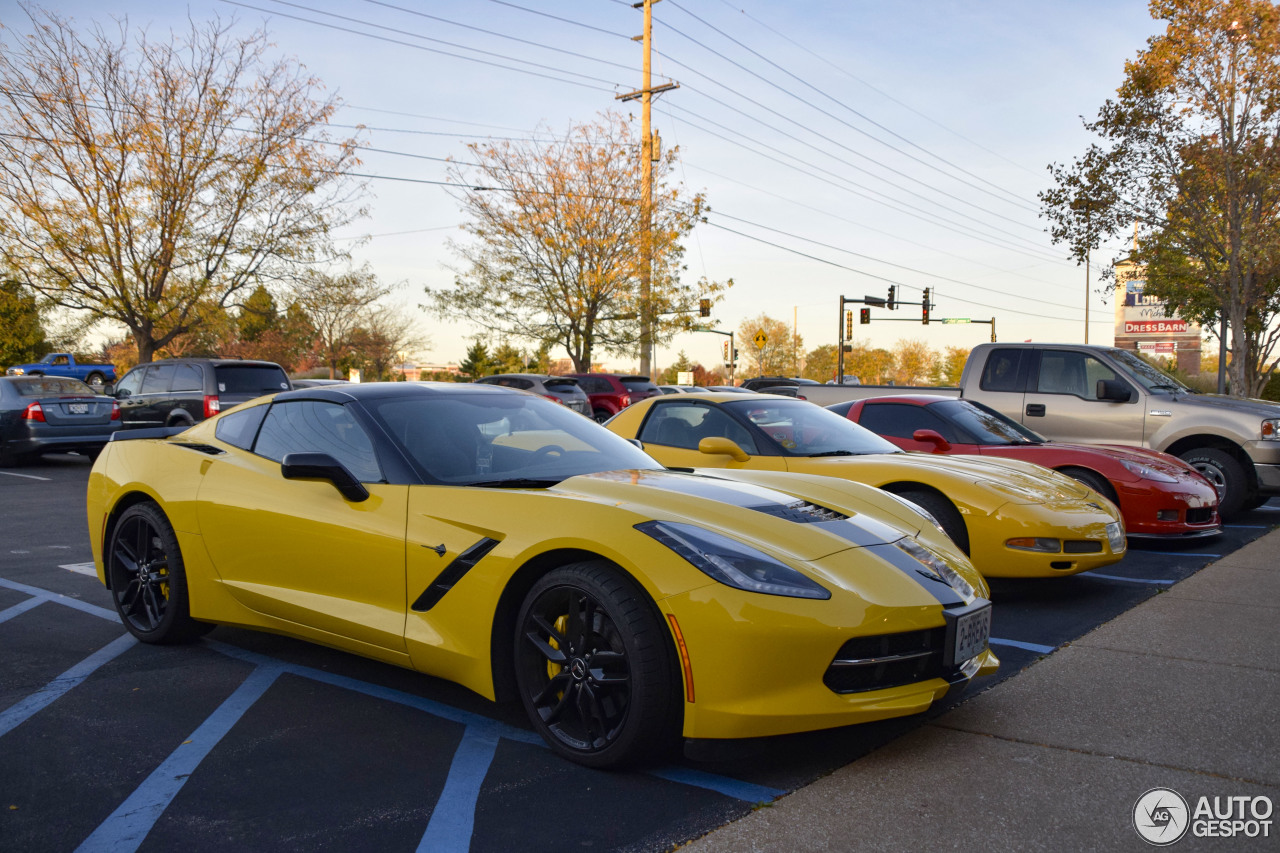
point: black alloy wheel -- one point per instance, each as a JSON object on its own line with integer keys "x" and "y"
{"x": 148, "y": 580}
{"x": 593, "y": 667}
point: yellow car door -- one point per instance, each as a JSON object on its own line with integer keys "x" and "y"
{"x": 298, "y": 550}
{"x": 699, "y": 434}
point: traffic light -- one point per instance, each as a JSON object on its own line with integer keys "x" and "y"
{"x": 726, "y": 351}
{"x": 704, "y": 307}
{"x": 892, "y": 291}
{"x": 924, "y": 308}
{"x": 864, "y": 316}
{"x": 848, "y": 324}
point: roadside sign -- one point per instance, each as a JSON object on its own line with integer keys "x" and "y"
{"x": 760, "y": 338}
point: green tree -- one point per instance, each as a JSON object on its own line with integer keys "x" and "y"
{"x": 555, "y": 254}
{"x": 820, "y": 363}
{"x": 142, "y": 179}
{"x": 22, "y": 335}
{"x": 1189, "y": 152}
{"x": 476, "y": 363}
{"x": 778, "y": 355}
{"x": 259, "y": 315}
{"x": 951, "y": 365}
{"x": 507, "y": 359}
{"x": 682, "y": 364}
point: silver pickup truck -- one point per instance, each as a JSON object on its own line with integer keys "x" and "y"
{"x": 1104, "y": 395}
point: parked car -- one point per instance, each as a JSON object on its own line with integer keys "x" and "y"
{"x": 1160, "y": 496}
{"x": 316, "y": 383}
{"x": 560, "y": 389}
{"x": 509, "y": 545}
{"x": 610, "y": 393}
{"x": 185, "y": 391}
{"x": 678, "y": 389}
{"x": 52, "y": 414}
{"x": 1013, "y": 518}
{"x": 67, "y": 364}
{"x": 758, "y": 383}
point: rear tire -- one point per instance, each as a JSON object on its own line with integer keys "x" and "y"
{"x": 594, "y": 667}
{"x": 148, "y": 578}
{"x": 602, "y": 415}
{"x": 9, "y": 459}
{"x": 95, "y": 381}
{"x": 1225, "y": 473}
{"x": 943, "y": 510}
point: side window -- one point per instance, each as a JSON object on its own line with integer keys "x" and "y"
{"x": 238, "y": 428}
{"x": 312, "y": 426}
{"x": 131, "y": 382}
{"x": 1071, "y": 373}
{"x": 157, "y": 379}
{"x": 187, "y": 377}
{"x": 1001, "y": 370}
{"x": 686, "y": 424}
{"x": 901, "y": 420}
{"x": 594, "y": 385}
{"x": 61, "y": 360}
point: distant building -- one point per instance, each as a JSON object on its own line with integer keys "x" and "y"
{"x": 415, "y": 372}
{"x": 1146, "y": 324}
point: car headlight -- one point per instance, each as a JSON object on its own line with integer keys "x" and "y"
{"x": 1271, "y": 429}
{"x": 732, "y": 563}
{"x": 1011, "y": 491}
{"x": 14, "y": 371}
{"x": 1146, "y": 472}
{"x": 938, "y": 566}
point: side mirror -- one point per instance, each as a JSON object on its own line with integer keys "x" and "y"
{"x": 724, "y": 446}
{"x": 322, "y": 466}
{"x": 929, "y": 436}
{"x": 1113, "y": 390}
{"x": 109, "y": 390}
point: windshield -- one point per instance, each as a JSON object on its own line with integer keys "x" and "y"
{"x": 803, "y": 429}
{"x": 503, "y": 439}
{"x": 984, "y": 424}
{"x": 1149, "y": 375}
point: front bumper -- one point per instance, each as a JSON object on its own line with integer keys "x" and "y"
{"x": 992, "y": 557}
{"x": 758, "y": 666}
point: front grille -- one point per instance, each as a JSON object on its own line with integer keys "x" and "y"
{"x": 888, "y": 660}
{"x": 801, "y": 512}
{"x": 1081, "y": 546}
{"x": 1200, "y": 515}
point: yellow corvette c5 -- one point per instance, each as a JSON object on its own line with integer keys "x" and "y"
{"x": 501, "y": 541}
{"x": 1014, "y": 519}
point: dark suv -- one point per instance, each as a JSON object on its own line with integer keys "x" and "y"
{"x": 188, "y": 390}
{"x": 563, "y": 389}
{"x": 610, "y": 393}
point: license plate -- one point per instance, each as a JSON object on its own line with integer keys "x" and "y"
{"x": 78, "y": 408}
{"x": 972, "y": 634}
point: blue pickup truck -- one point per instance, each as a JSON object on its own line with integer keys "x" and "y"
{"x": 66, "y": 364}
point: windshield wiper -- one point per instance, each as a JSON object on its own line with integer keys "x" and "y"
{"x": 516, "y": 483}
{"x": 835, "y": 453}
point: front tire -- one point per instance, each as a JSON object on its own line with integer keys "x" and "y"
{"x": 148, "y": 578}
{"x": 95, "y": 381}
{"x": 1225, "y": 473}
{"x": 944, "y": 511}
{"x": 1093, "y": 480}
{"x": 594, "y": 669}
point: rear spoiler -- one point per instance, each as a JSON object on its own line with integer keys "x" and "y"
{"x": 153, "y": 432}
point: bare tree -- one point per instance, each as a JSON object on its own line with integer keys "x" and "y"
{"x": 141, "y": 179}
{"x": 337, "y": 305}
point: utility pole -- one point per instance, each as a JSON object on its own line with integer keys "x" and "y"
{"x": 648, "y": 154}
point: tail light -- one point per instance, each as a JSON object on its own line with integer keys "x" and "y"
{"x": 212, "y": 405}
{"x": 626, "y": 400}
{"x": 34, "y": 412}
{"x": 115, "y": 410}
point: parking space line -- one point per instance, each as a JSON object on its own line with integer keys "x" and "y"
{"x": 20, "y": 608}
{"x": 1155, "y": 581}
{"x": 127, "y": 827}
{"x": 81, "y": 568}
{"x": 454, "y": 816}
{"x": 15, "y": 715}
{"x": 59, "y": 598}
{"x": 1247, "y": 526}
{"x": 1018, "y": 644}
{"x": 27, "y": 476}
{"x": 730, "y": 787}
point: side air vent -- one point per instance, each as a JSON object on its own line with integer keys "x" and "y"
{"x": 202, "y": 448}
{"x": 801, "y": 512}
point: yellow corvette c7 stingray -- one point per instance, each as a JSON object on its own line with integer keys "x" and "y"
{"x": 1014, "y": 519}
{"x": 499, "y": 540}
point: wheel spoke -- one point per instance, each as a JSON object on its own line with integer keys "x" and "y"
{"x": 574, "y": 630}
{"x": 552, "y": 715}
{"x": 550, "y": 628}
{"x": 544, "y": 648}
{"x": 129, "y": 597}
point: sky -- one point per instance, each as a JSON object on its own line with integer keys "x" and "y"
{"x": 842, "y": 146}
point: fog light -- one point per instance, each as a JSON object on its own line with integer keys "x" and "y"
{"x": 1167, "y": 515}
{"x": 1047, "y": 546}
{"x": 1115, "y": 536}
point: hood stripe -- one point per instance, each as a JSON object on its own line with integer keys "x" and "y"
{"x": 900, "y": 560}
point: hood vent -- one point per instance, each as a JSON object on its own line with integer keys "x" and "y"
{"x": 801, "y": 512}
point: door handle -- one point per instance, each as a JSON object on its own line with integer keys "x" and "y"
{"x": 1035, "y": 410}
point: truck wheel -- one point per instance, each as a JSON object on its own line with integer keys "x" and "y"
{"x": 95, "y": 380}
{"x": 943, "y": 510}
{"x": 1225, "y": 473}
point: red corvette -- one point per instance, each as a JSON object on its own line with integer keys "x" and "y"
{"x": 1160, "y": 496}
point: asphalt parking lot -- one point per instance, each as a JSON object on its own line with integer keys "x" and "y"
{"x": 251, "y": 741}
